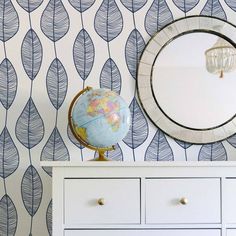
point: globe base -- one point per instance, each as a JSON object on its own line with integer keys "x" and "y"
{"x": 101, "y": 156}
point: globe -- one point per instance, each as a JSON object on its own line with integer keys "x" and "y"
{"x": 99, "y": 118}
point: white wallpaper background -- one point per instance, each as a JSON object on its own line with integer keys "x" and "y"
{"x": 51, "y": 49}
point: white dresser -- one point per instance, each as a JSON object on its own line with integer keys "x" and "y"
{"x": 144, "y": 199}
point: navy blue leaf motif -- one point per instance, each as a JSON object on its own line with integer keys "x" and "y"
{"x": 29, "y": 5}
{"x": 110, "y": 77}
{"x": 133, "y": 49}
{"x": 212, "y": 152}
{"x": 8, "y": 83}
{"x": 31, "y": 190}
{"x": 138, "y": 130}
{"x": 8, "y": 216}
{"x": 186, "y": 5}
{"x": 29, "y": 126}
{"x": 9, "y": 20}
{"x": 9, "y": 156}
{"x": 133, "y": 5}
{"x": 214, "y": 8}
{"x": 73, "y": 139}
{"x": 108, "y": 20}
{"x": 57, "y": 83}
{"x": 183, "y": 144}
{"x": 55, "y": 20}
{"x": 83, "y": 53}
{"x": 158, "y": 15}
{"x": 81, "y": 5}
{"x": 49, "y": 218}
{"x": 31, "y": 53}
{"x": 54, "y": 150}
{"x": 231, "y": 4}
{"x": 114, "y": 155}
{"x": 232, "y": 140}
{"x": 159, "y": 149}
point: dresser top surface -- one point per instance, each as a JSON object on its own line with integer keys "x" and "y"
{"x": 138, "y": 164}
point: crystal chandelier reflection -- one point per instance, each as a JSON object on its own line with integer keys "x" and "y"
{"x": 221, "y": 58}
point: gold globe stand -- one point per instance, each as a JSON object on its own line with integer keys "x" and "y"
{"x": 73, "y": 128}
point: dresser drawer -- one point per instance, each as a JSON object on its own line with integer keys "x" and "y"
{"x": 231, "y": 232}
{"x": 179, "y": 232}
{"x": 229, "y": 200}
{"x": 121, "y": 199}
{"x": 200, "y": 200}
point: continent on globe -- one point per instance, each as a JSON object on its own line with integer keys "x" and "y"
{"x": 107, "y": 106}
{"x": 81, "y": 132}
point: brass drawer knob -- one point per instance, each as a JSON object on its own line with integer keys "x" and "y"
{"x": 101, "y": 201}
{"x": 183, "y": 201}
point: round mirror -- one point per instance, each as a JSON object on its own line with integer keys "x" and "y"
{"x": 187, "y": 79}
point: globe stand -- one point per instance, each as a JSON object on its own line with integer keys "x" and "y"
{"x": 101, "y": 156}
{"x": 101, "y": 151}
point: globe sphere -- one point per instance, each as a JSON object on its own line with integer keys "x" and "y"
{"x": 100, "y": 117}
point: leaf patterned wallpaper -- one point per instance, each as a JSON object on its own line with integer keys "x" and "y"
{"x": 51, "y": 49}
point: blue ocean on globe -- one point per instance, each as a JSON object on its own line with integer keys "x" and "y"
{"x": 101, "y": 117}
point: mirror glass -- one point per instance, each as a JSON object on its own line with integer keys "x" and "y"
{"x": 187, "y": 79}
{"x": 186, "y": 91}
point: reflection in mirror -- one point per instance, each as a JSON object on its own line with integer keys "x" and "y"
{"x": 186, "y": 84}
{"x": 221, "y": 58}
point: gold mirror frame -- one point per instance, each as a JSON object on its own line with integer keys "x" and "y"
{"x": 148, "y": 101}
